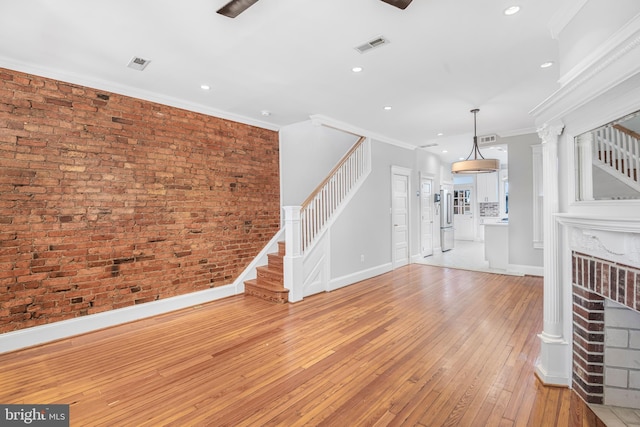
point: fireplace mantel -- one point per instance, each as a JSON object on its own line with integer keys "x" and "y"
{"x": 614, "y": 239}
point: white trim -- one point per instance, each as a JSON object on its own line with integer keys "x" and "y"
{"x": 36, "y": 335}
{"x": 616, "y": 46}
{"x": 521, "y": 269}
{"x": 261, "y": 259}
{"x": 132, "y": 92}
{"x": 517, "y": 132}
{"x": 320, "y": 120}
{"x": 424, "y": 176}
{"x": 400, "y": 170}
{"x": 613, "y": 62}
{"x": 538, "y": 190}
{"x": 604, "y": 223}
{"x": 350, "y": 279}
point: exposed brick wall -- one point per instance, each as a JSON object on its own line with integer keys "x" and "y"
{"x": 595, "y": 279}
{"x": 588, "y": 345}
{"x": 108, "y": 201}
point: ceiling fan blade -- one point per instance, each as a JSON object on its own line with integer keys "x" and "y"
{"x": 236, "y": 7}
{"x": 402, "y": 4}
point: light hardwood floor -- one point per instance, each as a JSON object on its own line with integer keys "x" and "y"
{"x": 421, "y": 345}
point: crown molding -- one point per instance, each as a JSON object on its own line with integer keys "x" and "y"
{"x": 562, "y": 18}
{"x": 133, "y": 92}
{"x": 320, "y": 120}
{"x": 517, "y": 132}
{"x": 613, "y": 62}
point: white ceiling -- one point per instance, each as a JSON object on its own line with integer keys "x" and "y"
{"x": 293, "y": 58}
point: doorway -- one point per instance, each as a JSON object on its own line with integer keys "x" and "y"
{"x": 463, "y": 212}
{"x": 400, "y": 216}
{"x": 426, "y": 216}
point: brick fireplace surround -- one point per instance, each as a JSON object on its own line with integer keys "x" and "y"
{"x": 595, "y": 279}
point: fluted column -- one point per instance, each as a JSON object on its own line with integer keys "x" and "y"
{"x": 554, "y": 364}
{"x": 585, "y": 161}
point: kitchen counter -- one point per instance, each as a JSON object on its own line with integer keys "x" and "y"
{"x": 496, "y": 244}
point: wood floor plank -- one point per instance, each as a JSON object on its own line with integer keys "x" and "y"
{"x": 418, "y": 346}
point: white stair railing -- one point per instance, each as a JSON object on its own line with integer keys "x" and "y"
{"x": 319, "y": 207}
{"x": 305, "y": 224}
{"x": 619, "y": 150}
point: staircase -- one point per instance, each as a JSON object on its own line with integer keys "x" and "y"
{"x": 269, "y": 281}
{"x": 616, "y": 150}
{"x": 306, "y": 261}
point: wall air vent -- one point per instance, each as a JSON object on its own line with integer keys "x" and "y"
{"x": 376, "y": 42}
{"x": 487, "y": 139}
{"x": 138, "y": 63}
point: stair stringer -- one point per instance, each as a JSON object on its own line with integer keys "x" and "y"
{"x": 250, "y": 272}
{"x": 605, "y": 167}
{"x": 315, "y": 267}
{"x": 309, "y": 273}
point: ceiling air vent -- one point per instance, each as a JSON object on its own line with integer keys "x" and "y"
{"x": 138, "y": 63}
{"x": 435, "y": 144}
{"x": 377, "y": 42}
{"x": 487, "y": 139}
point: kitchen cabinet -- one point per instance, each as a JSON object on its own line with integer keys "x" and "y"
{"x": 487, "y": 187}
{"x": 496, "y": 245}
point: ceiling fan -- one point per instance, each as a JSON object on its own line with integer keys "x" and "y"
{"x": 236, "y": 7}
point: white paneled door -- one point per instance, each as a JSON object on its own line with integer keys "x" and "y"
{"x": 400, "y": 216}
{"x": 426, "y": 216}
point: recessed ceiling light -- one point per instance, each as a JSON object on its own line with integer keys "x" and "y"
{"x": 512, "y": 10}
{"x": 205, "y": 87}
{"x": 356, "y": 69}
{"x": 546, "y": 64}
{"x": 445, "y": 151}
{"x": 387, "y": 107}
{"x": 461, "y": 158}
{"x": 440, "y": 133}
{"x": 265, "y": 113}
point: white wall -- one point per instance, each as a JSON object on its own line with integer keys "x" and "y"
{"x": 307, "y": 154}
{"x": 591, "y": 27}
{"x": 364, "y": 228}
{"x": 521, "y": 250}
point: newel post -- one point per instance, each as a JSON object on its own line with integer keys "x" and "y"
{"x": 293, "y": 273}
{"x": 553, "y": 367}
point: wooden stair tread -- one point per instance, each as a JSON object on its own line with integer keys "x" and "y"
{"x": 266, "y": 285}
{"x": 280, "y": 295}
{"x": 269, "y": 281}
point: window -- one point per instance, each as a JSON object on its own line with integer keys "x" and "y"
{"x": 462, "y": 202}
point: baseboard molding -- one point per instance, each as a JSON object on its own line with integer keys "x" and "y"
{"x": 350, "y": 279}
{"x": 529, "y": 270}
{"x": 36, "y": 335}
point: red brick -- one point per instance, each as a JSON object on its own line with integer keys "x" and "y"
{"x": 92, "y": 178}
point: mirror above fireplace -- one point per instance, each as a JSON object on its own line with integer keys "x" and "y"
{"x": 608, "y": 161}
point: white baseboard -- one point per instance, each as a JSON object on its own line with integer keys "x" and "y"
{"x": 36, "y": 335}
{"x": 529, "y": 270}
{"x": 349, "y": 279}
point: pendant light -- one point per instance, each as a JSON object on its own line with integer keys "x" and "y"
{"x": 477, "y": 164}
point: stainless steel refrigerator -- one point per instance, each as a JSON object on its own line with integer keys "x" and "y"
{"x": 446, "y": 220}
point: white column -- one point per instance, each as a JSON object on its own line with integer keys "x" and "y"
{"x": 585, "y": 165}
{"x": 292, "y": 262}
{"x": 553, "y": 367}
